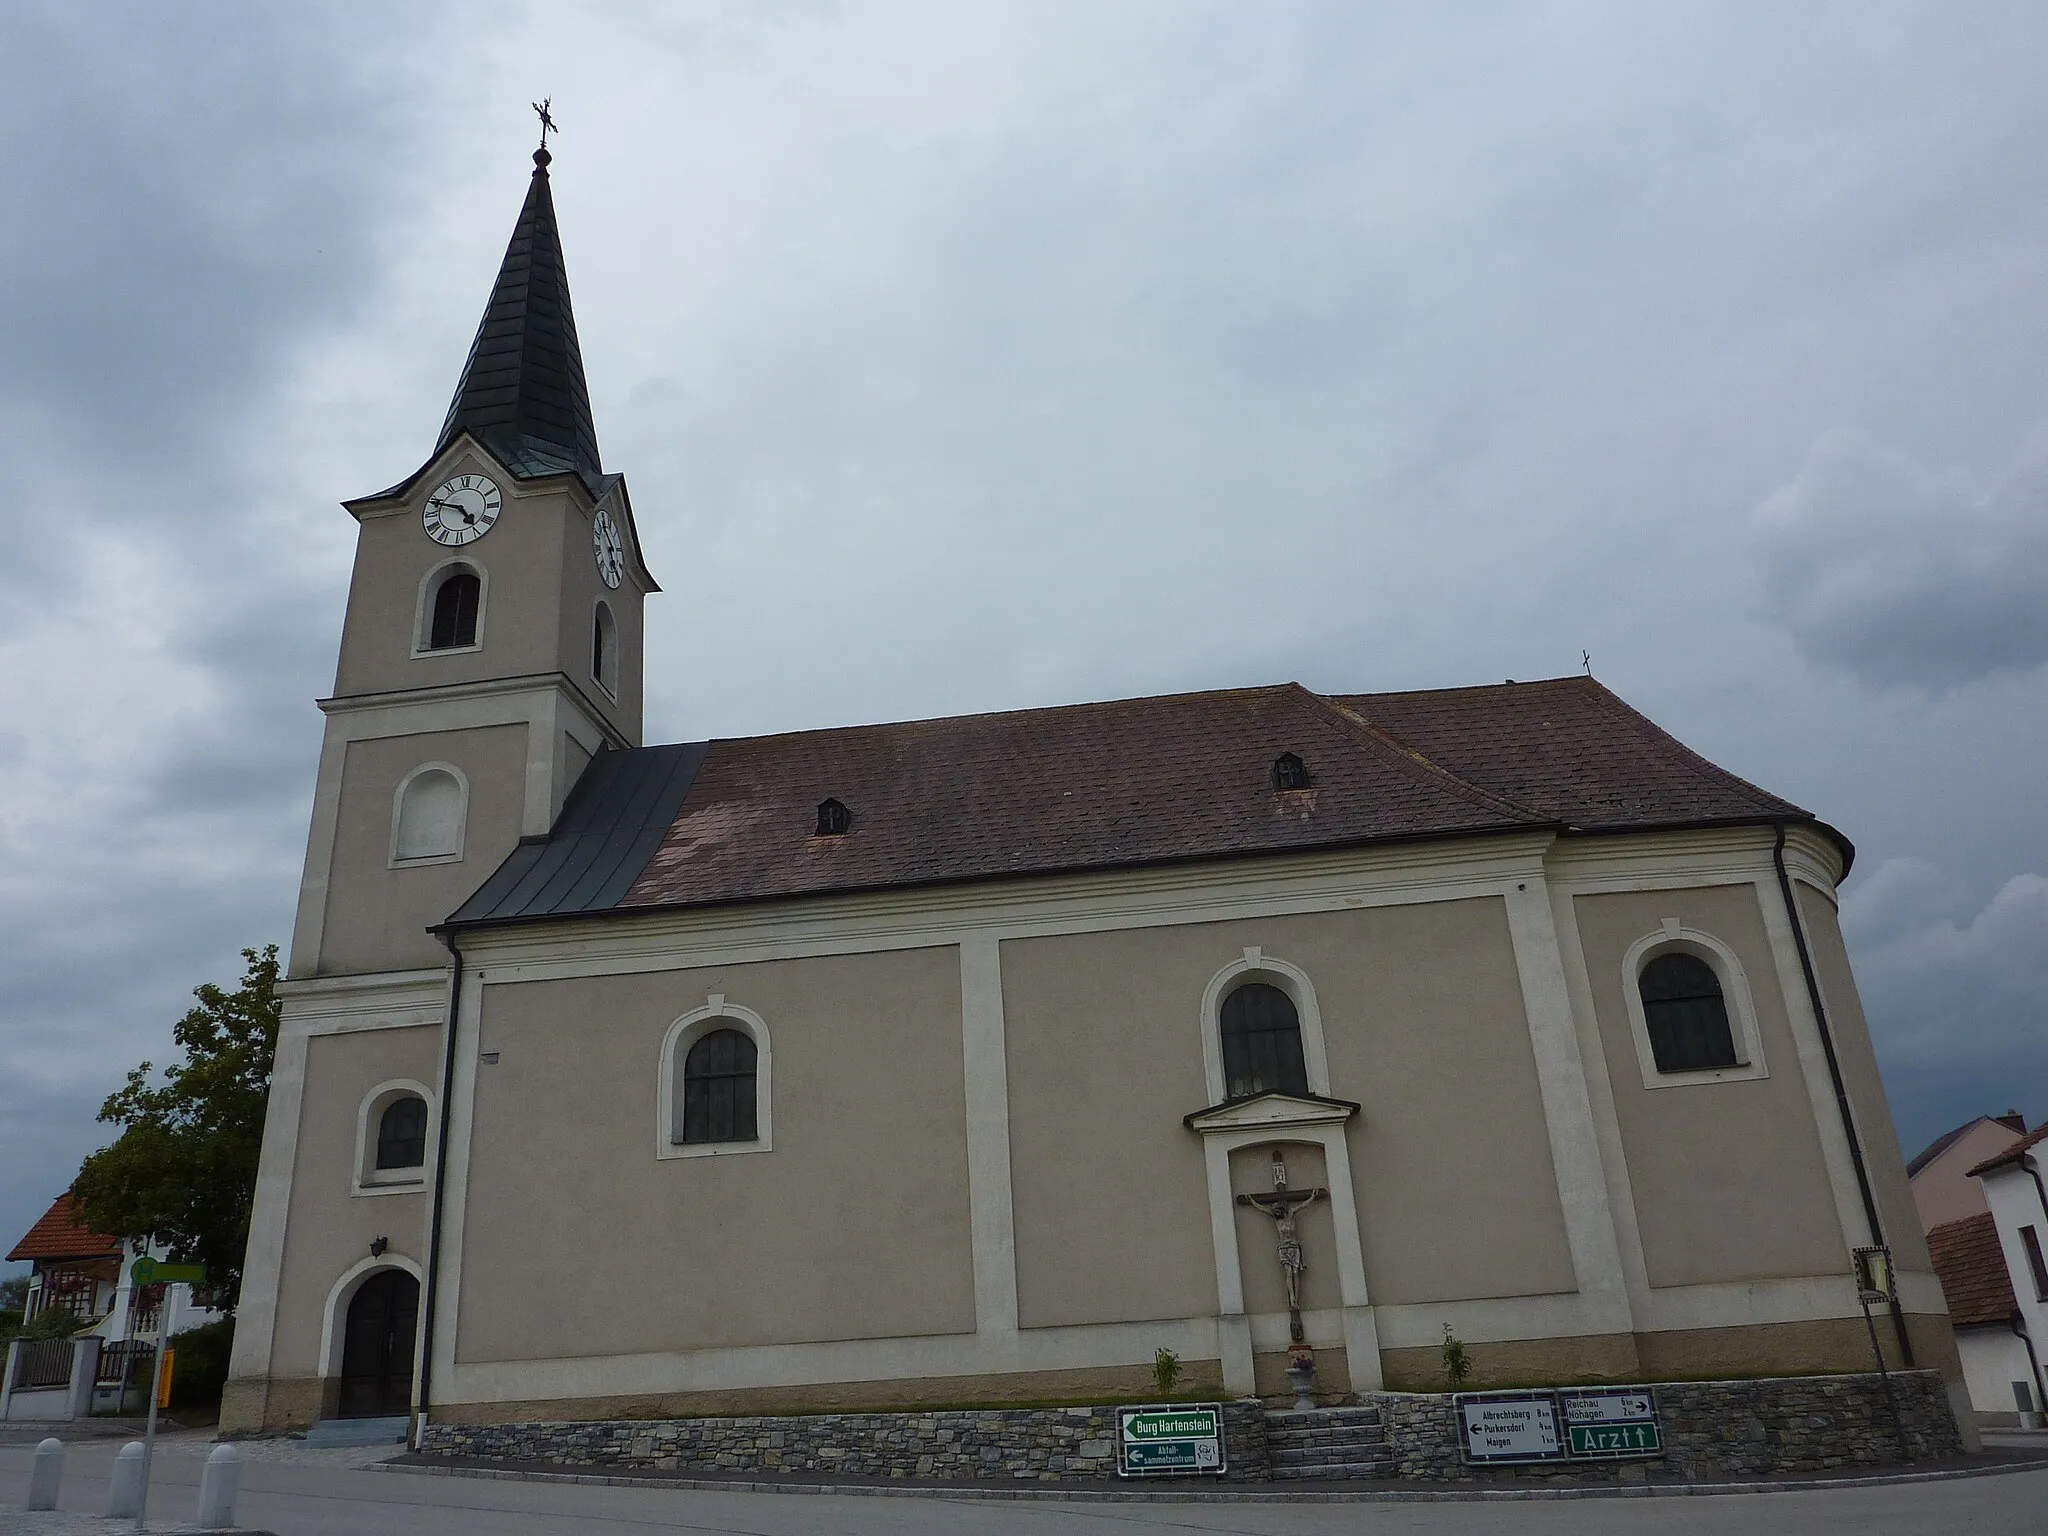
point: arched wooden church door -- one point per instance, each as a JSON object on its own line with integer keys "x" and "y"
{"x": 376, "y": 1348}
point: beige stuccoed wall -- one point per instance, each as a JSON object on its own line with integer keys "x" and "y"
{"x": 1423, "y": 1017}
{"x": 1943, "y": 1190}
{"x": 1880, "y": 1139}
{"x": 1702, "y": 1156}
{"x": 578, "y": 1241}
{"x": 377, "y": 916}
{"x": 328, "y": 1228}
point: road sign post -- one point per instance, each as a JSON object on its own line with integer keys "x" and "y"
{"x": 1172, "y": 1437}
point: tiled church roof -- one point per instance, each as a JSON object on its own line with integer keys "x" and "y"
{"x": 1971, "y": 1266}
{"x": 1102, "y": 786}
{"x": 58, "y": 1235}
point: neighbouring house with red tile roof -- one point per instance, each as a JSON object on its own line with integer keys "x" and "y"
{"x": 1943, "y": 1189}
{"x": 90, "y": 1275}
{"x": 1999, "y": 1352}
{"x": 2016, "y": 1192}
{"x": 75, "y": 1269}
{"x": 932, "y": 1061}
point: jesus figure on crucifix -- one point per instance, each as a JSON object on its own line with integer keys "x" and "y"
{"x": 1283, "y": 1205}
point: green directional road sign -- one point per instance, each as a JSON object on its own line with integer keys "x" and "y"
{"x": 149, "y": 1272}
{"x": 1606, "y": 1422}
{"x": 1168, "y": 1439}
{"x": 1638, "y": 1439}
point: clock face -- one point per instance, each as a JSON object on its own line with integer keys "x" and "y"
{"x": 461, "y": 510}
{"x": 611, "y": 554}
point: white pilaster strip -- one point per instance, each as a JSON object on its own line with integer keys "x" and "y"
{"x": 1813, "y": 1065}
{"x": 1567, "y": 1107}
{"x": 991, "y": 1207}
{"x": 263, "y": 1262}
{"x": 461, "y": 1111}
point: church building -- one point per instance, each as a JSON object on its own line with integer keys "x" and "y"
{"x": 978, "y": 1059}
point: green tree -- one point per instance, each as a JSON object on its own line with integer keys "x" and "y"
{"x": 183, "y": 1169}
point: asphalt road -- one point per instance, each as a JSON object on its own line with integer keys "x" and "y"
{"x": 324, "y": 1494}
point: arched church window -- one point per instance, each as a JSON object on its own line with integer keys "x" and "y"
{"x": 604, "y": 649}
{"x": 431, "y": 809}
{"x": 718, "y": 1088}
{"x": 1686, "y": 1014}
{"x": 1262, "y": 1042}
{"x": 402, "y": 1133}
{"x": 457, "y": 601}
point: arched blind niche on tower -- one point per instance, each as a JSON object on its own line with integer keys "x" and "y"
{"x": 1686, "y": 1014}
{"x": 457, "y": 600}
{"x": 1262, "y": 1042}
{"x": 718, "y": 1088}
{"x": 431, "y": 806}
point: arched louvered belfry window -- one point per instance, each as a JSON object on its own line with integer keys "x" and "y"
{"x": 604, "y": 649}
{"x": 1686, "y": 1014}
{"x": 1262, "y": 1042}
{"x": 457, "y": 601}
{"x": 402, "y": 1133}
{"x": 718, "y": 1088}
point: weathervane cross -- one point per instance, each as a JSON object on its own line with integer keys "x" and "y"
{"x": 547, "y": 123}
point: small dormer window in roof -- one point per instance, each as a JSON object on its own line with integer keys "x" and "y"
{"x": 1289, "y": 772}
{"x": 834, "y": 819}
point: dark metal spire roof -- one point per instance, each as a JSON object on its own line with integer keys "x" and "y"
{"x": 522, "y": 392}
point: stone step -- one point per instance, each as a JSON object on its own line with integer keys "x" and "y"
{"x": 332, "y": 1432}
{"x": 1289, "y": 1420}
{"x": 1336, "y": 1434}
{"x": 1305, "y": 1455}
{"x": 1336, "y": 1471}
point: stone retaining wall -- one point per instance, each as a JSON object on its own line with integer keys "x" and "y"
{"x": 1034, "y": 1444}
{"x": 1714, "y": 1429}
{"x": 1711, "y": 1429}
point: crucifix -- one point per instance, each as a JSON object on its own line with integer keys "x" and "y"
{"x": 1283, "y": 1205}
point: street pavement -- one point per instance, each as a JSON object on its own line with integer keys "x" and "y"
{"x": 298, "y": 1492}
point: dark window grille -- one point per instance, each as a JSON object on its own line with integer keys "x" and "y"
{"x": 834, "y": 819}
{"x": 1262, "y": 1043}
{"x": 455, "y": 607}
{"x": 1289, "y": 772}
{"x": 718, "y": 1088}
{"x": 402, "y": 1133}
{"x": 1686, "y": 1014}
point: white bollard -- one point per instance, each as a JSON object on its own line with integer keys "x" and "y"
{"x": 124, "y": 1499}
{"x": 219, "y": 1481}
{"x": 46, "y": 1475}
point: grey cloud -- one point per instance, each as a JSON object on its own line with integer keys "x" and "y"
{"x": 1956, "y": 991}
{"x": 1905, "y": 575}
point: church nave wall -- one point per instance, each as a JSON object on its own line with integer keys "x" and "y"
{"x": 578, "y": 1241}
{"x": 1728, "y": 1178}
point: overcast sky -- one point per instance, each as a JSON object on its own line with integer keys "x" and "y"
{"x": 974, "y": 356}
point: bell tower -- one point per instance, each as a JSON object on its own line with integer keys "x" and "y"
{"x": 492, "y": 644}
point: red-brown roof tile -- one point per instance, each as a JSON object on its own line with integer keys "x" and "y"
{"x": 1088, "y": 786}
{"x": 58, "y": 1236}
{"x": 1098, "y": 786}
{"x": 1569, "y": 749}
{"x": 1971, "y": 1265}
{"x": 2013, "y": 1153}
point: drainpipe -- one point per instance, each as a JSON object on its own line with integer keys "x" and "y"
{"x": 433, "y": 1285}
{"x": 1827, "y": 1045}
{"x": 2018, "y": 1324}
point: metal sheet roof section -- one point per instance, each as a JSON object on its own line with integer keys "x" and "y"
{"x": 610, "y": 826}
{"x": 522, "y": 392}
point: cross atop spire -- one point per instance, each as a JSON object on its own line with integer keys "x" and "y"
{"x": 522, "y": 392}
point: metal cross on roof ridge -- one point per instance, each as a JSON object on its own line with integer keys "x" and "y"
{"x": 547, "y": 122}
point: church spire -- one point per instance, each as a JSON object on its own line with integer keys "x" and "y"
{"x": 522, "y": 392}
